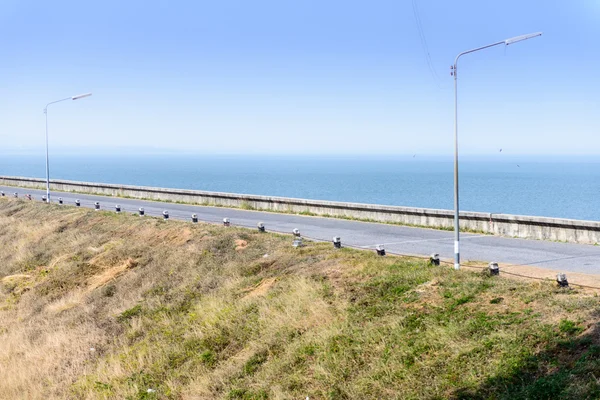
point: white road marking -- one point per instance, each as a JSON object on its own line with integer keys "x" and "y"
{"x": 423, "y": 240}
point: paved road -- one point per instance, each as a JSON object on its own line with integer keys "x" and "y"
{"x": 397, "y": 239}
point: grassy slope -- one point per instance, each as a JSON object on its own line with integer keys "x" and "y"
{"x": 99, "y": 305}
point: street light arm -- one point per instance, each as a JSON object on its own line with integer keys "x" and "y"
{"x": 505, "y": 42}
{"x": 477, "y": 49}
{"x": 57, "y": 101}
{"x": 79, "y": 96}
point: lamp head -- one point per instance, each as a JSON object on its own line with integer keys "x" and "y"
{"x": 81, "y": 96}
{"x": 521, "y": 38}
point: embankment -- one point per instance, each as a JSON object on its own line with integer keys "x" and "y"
{"x": 99, "y": 305}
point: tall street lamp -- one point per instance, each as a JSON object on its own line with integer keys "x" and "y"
{"x": 455, "y": 72}
{"x": 79, "y": 96}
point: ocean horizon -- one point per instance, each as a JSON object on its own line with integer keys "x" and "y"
{"x": 551, "y": 186}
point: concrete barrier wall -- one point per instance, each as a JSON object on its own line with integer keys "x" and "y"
{"x": 540, "y": 228}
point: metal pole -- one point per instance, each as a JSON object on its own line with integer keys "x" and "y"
{"x": 47, "y": 161}
{"x": 455, "y": 73}
{"x": 47, "y": 158}
{"x": 456, "y": 216}
{"x": 456, "y": 203}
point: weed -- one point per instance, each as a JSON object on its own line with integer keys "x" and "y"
{"x": 569, "y": 327}
{"x": 246, "y": 394}
{"x": 254, "y": 363}
{"x": 130, "y": 313}
{"x": 244, "y": 205}
{"x": 208, "y": 358}
{"x": 109, "y": 291}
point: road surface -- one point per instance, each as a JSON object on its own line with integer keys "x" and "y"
{"x": 566, "y": 257}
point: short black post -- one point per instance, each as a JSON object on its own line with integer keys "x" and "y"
{"x": 2, "y": 194}
{"x": 44, "y": 199}
{"x": 494, "y": 269}
{"x": 380, "y": 250}
{"x": 97, "y": 205}
{"x": 60, "y": 200}
{"x": 165, "y": 214}
{"x": 194, "y": 218}
{"x": 337, "y": 242}
{"x": 141, "y": 211}
{"x": 77, "y": 203}
{"x": 561, "y": 279}
{"x": 118, "y": 208}
{"x": 260, "y": 226}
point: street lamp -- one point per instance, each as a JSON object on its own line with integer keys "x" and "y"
{"x": 454, "y": 73}
{"x": 79, "y": 96}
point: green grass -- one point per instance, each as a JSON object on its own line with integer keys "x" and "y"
{"x": 193, "y": 317}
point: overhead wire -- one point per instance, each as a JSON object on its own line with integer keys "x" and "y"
{"x": 424, "y": 44}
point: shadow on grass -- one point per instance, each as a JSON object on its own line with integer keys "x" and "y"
{"x": 569, "y": 369}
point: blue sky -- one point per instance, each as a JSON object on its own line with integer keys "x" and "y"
{"x": 305, "y": 77}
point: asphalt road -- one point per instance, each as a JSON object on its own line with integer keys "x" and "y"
{"x": 566, "y": 257}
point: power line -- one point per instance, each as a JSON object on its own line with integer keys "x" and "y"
{"x": 424, "y": 45}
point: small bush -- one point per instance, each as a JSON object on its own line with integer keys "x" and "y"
{"x": 109, "y": 291}
{"x": 245, "y": 394}
{"x": 569, "y": 327}
{"x": 128, "y": 314}
{"x": 208, "y": 358}
{"x": 254, "y": 363}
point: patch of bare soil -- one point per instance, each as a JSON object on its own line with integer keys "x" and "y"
{"x": 261, "y": 289}
{"x": 15, "y": 277}
{"x": 109, "y": 274}
{"x": 240, "y": 244}
{"x": 529, "y": 273}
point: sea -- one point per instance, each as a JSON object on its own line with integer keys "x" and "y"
{"x": 551, "y": 186}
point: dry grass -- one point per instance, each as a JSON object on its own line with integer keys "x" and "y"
{"x": 98, "y": 305}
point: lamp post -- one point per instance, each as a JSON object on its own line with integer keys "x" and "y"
{"x": 79, "y": 96}
{"x": 454, "y": 73}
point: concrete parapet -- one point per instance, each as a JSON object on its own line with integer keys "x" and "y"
{"x": 528, "y": 227}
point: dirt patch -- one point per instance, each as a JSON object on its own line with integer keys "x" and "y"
{"x": 71, "y": 300}
{"x": 175, "y": 237}
{"x": 425, "y": 286}
{"x": 15, "y": 277}
{"x": 240, "y": 244}
{"x": 77, "y": 297}
{"x": 109, "y": 274}
{"x": 183, "y": 236}
{"x": 337, "y": 273}
{"x": 56, "y": 261}
{"x": 429, "y": 295}
{"x": 261, "y": 289}
{"x": 528, "y": 273}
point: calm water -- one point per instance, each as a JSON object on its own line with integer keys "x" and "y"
{"x": 566, "y": 188}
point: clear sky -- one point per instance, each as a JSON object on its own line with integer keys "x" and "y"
{"x": 276, "y": 76}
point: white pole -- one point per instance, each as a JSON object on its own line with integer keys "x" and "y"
{"x": 455, "y": 72}
{"x": 80, "y": 96}
{"x": 456, "y": 221}
{"x": 47, "y": 161}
